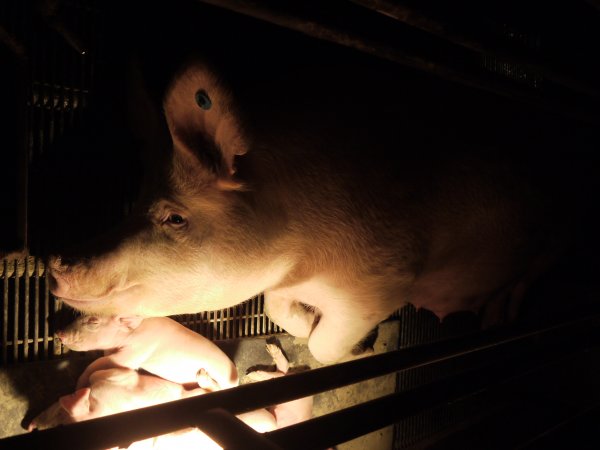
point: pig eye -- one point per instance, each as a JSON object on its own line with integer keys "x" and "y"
{"x": 176, "y": 219}
{"x": 203, "y": 100}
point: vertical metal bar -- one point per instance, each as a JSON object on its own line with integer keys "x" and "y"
{"x": 264, "y": 316}
{"x": 26, "y": 309}
{"x": 52, "y": 83}
{"x": 16, "y": 314}
{"x": 246, "y": 317}
{"x": 231, "y": 313}
{"x": 46, "y": 313}
{"x": 36, "y": 309}
{"x": 240, "y": 312}
{"x": 252, "y": 306}
{"x": 5, "y": 313}
{"x": 56, "y": 304}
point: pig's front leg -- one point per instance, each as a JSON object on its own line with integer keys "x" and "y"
{"x": 104, "y": 362}
{"x": 293, "y": 316}
{"x": 339, "y": 320}
{"x": 338, "y": 333}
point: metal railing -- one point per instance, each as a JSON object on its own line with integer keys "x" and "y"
{"x": 494, "y": 359}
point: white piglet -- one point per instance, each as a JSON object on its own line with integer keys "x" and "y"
{"x": 159, "y": 345}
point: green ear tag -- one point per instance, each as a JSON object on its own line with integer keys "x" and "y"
{"x": 203, "y": 100}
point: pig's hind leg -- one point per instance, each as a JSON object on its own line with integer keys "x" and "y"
{"x": 104, "y": 362}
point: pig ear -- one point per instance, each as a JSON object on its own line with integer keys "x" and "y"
{"x": 78, "y": 403}
{"x": 131, "y": 322}
{"x": 204, "y": 125}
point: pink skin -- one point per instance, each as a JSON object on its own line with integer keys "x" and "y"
{"x": 288, "y": 413}
{"x": 281, "y": 212}
{"x": 158, "y": 345}
{"x": 117, "y": 390}
{"x": 111, "y": 391}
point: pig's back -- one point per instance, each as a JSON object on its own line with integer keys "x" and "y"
{"x": 180, "y": 352}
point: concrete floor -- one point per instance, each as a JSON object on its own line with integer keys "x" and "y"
{"x": 27, "y": 389}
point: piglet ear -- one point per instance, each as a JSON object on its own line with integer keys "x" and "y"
{"x": 130, "y": 322}
{"x": 78, "y": 403}
{"x": 205, "y": 127}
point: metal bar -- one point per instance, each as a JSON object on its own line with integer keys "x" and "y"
{"x": 252, "y": 316}
{"x": 227, "y": 318}
{"x": 313, "y": 27}
{"x": 12, "y": 43}
{"x": 57, "y": 345}
{"x": 46, "y": 317}
{"x": 26, "y": 311}
{"x": 429, "y": 24}
{"x": 263, "y": 329}
{"x": 594, "y": 3}
{"x": 5, "y": 312}
{"x": 497, "y": 346}
{"x": 246, "y": 317}
{"x": 231, "y": 433}
{"x": 36, "y": 309}
{"x": 16, "y": 317}
{"x": 548, "y": 438}
{"x": 366, "y": 417}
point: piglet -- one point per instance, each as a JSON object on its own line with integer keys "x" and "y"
{"x": 288, "y": 413}
{"x": 158, "y": 345}
{"x": 111, "y": 391}
{"x": 119, "y": 389}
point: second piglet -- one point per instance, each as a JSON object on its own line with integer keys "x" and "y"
{"x": 158, "y": 345}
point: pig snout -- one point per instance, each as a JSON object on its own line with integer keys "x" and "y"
{"x": 83, "y": 279}
{"x": 59, "y": 275}
{"x": 61, "y": 335}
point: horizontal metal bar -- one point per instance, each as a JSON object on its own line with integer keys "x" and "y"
{"x": 17, "y": 268}
{"x": 500, "y": 375}
{"x": 548, "y": 438}
{"x": 231, "y": 433}
{"x": 311, "y": 25}
{"x": 414, "y": 18}
{"x": 161, "y": 419}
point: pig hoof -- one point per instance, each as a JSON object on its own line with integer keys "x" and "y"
{"x": 279, "y": 358}
{"x": 259, "y": 375}
{"x": 205, "y": 381}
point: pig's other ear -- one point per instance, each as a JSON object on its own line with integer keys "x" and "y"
{"x": 78, "y": 403}
{"x": 130, "y": 322}
{"x": 146, "y": 120}
{"x": 205, "y": 126}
